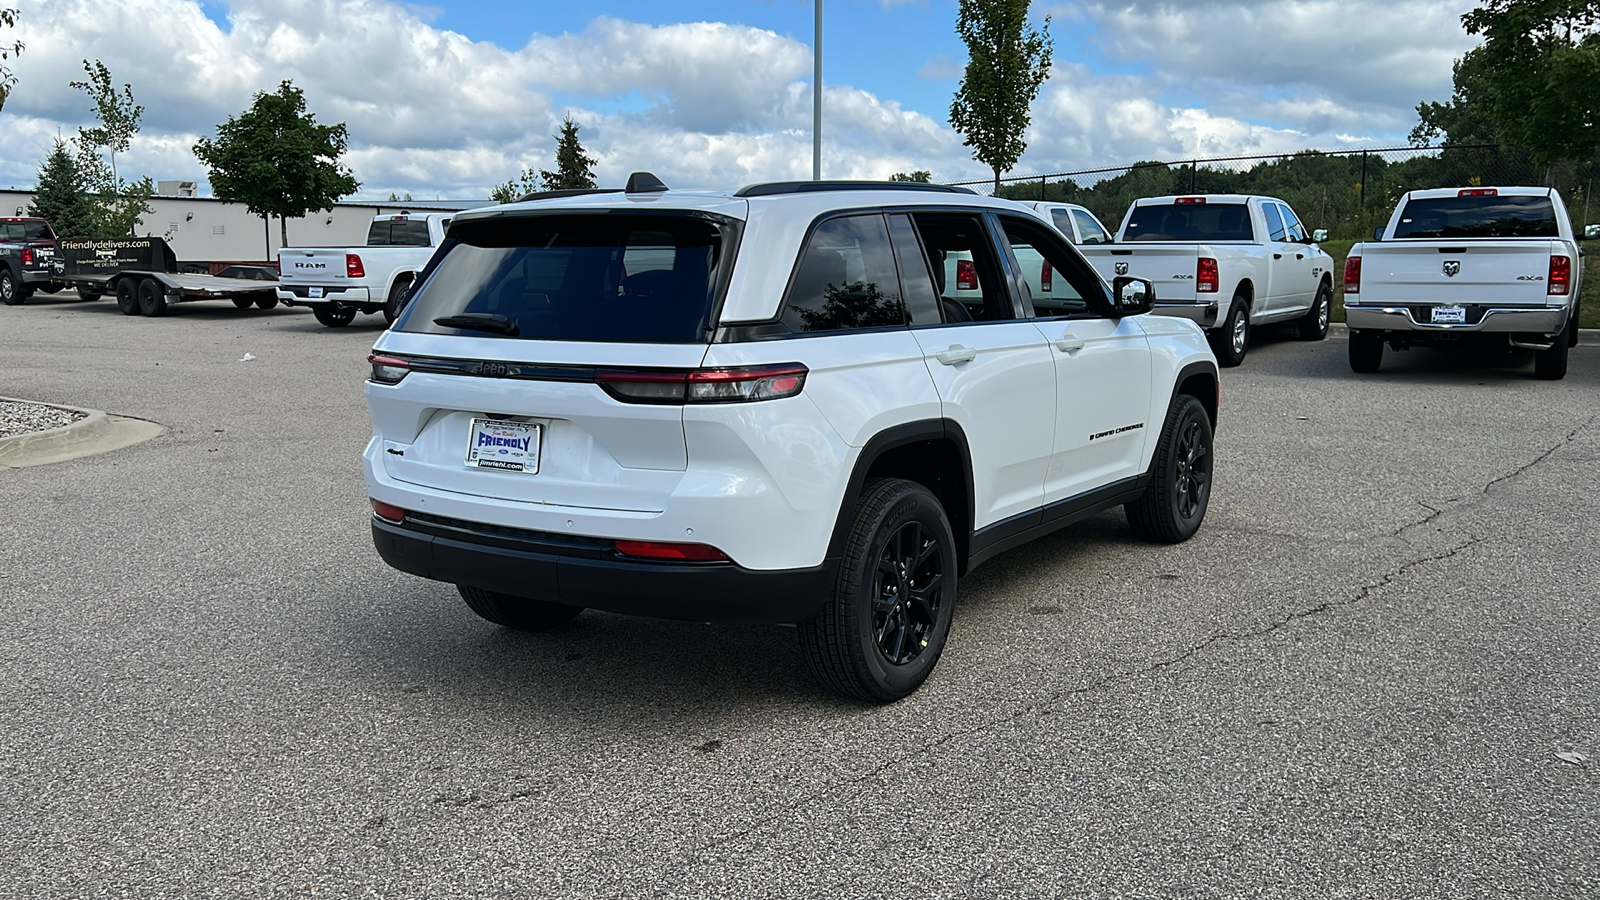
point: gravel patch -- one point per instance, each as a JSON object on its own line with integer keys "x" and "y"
{"x": 22, "y": 418}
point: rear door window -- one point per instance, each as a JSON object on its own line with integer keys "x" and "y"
{"x": 845, "y": 279}
{"x": 611, "y": 278}
{"x": 1274, "y": 221}
{"x": 966, "y": 271}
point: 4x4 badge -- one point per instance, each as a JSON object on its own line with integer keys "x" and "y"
{"x": 1452, "y": 268}
{"x": 1121, "y": 268}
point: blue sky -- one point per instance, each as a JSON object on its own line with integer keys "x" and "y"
{"x": 452, "y": 97}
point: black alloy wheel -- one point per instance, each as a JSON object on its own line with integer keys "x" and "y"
{"x": 907, "y": 591}
{"x": 1174, "y": 504}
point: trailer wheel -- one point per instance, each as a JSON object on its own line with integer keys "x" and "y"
{"x": 86, "y": 294}
{"x": 334, "y": 316}
{"x": 128, "y": 296}
{"x": 152, "y": 298}
{"x": 266, "y": 302}
{"x": 242, "y": 302}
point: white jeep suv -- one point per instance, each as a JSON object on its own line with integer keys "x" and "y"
{"x": 771, "y": 405}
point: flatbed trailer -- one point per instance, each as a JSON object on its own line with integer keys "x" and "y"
{"x": 140, "y": 273}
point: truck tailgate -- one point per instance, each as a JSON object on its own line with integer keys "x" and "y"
{"x": 1170, "y": 267}
{"x": 1501, "y": 272}
{"x": 324, "y": 267}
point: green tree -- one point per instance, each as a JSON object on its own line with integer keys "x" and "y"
{"x": 117, "y": 113}
{"x": 1007, "y": 60}
{"x": 393, "y": 196}
{"x": 276, "y": 160}
{"x": 118, "y": 205}
{"x": 920, "y": 175}
{"x": 573, "y": 168}
{"x": 8, "y": 19}
{"x": 62, "y": 195}
{"x": 516, "y": 188}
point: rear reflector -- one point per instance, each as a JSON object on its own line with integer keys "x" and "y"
{"x": 670, "y": 551}
{"x": 966, "y": 275}
{"x": 388, "y": 512}
{"x": 353, "y": 267}
{"x": 1352, "y": 275}
{"x": 388, "y": 369}
{"x": 1206, "y": 279}
{"x": 740, "y": 385}
{"x": 1478, "y": 192}
{"x": 1560, "y": 275}
{"x": 1190, "y": 200}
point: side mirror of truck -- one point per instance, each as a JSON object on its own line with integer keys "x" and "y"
{"x": 1377, "y": 233}
{"x": 1590, "y": 232}
{"x": 1134, "y": 296}
{"x": 1318, "y": 236}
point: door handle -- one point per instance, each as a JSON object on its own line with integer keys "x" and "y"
{"x": 1069, "y": 343}
{"x": 1299, "y": 256}
{"x": 956, "y": 354}
{"x": 1277, "y": 256}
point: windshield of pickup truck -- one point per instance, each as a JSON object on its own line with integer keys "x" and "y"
{"x": 1189, "y": 222}
{"x": 25, "y": 231}
{"x": 615, "y": 278}
{"x": 398, "y": 233}
{"x": 1478, "y": 217}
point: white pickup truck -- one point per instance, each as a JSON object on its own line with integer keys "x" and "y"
{"x": 337, "y": 283}
{"x": 1076, "y": 222}
{"x": 1457, "y": 262}
{"x": 1227, "y": 261}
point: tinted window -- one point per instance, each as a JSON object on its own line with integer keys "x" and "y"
{"x": 1275, "y": 230}
{"x": 966, "y": 273}
{"x": 1063, "y": 222}
{"x": 845, "y": 278}
{"x": 398, "y": 233}
{"x": 1190, "y": 222}
{"x": 1482, "y": 217}
{"x": 1090, "y": 229}
{"x": 922, "y": 301}
{"x": 24, "y": 231}
{"x": 622, "y": 278}
{"x": 1057, "y": 280}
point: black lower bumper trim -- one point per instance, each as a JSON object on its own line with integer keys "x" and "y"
{"x": 700, "y": 593}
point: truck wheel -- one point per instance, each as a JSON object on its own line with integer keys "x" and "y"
{"x": 128, "y": 296}
{"x": 886, "y": 622}
{"x": 397, "y": 301}
{"x": 266, "y": 303}
{"x": 1174, "y": 504}
{"x": 152, "y": 298}
{"x": 334, "y": 316}
{"x": 1366, "y": 351}
{"x": 1314, "y": 325}
{"x": 1551, "y": 365}
{"x": 521, "y": 613}
{"x": 242, "y": 302}
{"x": 1232, "y": 340}
{"x": 12, "y": 291}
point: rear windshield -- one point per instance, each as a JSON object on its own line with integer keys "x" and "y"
{"x": 24, "y": 231}
{"x": 610, "y": 277}
{"x": 398, "y": 233}
{"x": 1478, "y": 217}
{"x": 1190, "y": 222}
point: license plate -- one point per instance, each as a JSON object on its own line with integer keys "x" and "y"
{"x": 498, "y": 444}
{"x": 1449, "y": 315}
{"x": 314, "y": 293}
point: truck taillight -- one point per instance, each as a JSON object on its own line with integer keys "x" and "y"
{"x": 966, "y": 275}
{"x": 1190, "y": 200}
{"x": 27, "y": 256}
{"x": 1560, "y": 280}
{"x": 353, "y": 267}
{"x": 1206, "y": 279}
{"x": 744, "y": 384}
{"x": 1352, "y": 275}
{"x": 1045, "y": 277}
{"x": 1478, "y": 192}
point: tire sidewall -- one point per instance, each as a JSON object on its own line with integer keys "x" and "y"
{"x": 1189, "y": 411}
{"x": 10, "y": 291}
{"x": 894, "y": 681}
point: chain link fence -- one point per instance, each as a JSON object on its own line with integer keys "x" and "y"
{"x": 1348, "y": 192}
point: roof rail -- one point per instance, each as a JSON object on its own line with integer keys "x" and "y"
{"x": 566, "y": 192}
{"x": 806, "y": 187}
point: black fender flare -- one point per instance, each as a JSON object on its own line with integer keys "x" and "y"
{"x": 900, "y": 436}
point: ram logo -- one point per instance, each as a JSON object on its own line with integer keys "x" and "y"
{"x": 301, "y": 265}
{"x": 1452, "y": 268}
{"x": 1121, "y": 268}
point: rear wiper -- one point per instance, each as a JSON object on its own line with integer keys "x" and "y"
{"x": 491, "y": 322}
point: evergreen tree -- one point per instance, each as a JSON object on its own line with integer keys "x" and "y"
{"x": 920, "y": 175}
{"x": 62, "y": 195}
{"x": 573, "y": 168}
{"x": 516, "y": 188}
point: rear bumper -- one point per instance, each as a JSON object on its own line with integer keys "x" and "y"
{"x": 37, "y": 276}
{"x": 1203, "y": 313}
{"x": 551, "y": 569}
{"x": 1480, "y": 319}
{"x": 301, "y": 294}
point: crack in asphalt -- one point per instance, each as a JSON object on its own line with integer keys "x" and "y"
{"x": 1543, "y": 456}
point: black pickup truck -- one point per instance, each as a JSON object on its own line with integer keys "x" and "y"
{"x": 27, "y": 259}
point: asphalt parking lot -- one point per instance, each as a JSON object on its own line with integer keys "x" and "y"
{"x": 1358, "y": 679}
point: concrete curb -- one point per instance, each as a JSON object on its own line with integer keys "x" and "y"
{"x": 95, "y": 433}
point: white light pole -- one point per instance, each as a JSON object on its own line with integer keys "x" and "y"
{"x": 816, "y": 99}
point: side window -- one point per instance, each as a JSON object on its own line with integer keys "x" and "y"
{"x": 1090, "y": 229}
{"x": 1058, "y": 281}
{"x": 1274, "y": 221}
{"x": 966, "y": 273}
{"x": 921, "y": 298}
{"x": 1292, "y": 226}
{"x": 1063, "y": 222}
{"x": 846, "y": 279}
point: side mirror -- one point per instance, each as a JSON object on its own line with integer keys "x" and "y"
{"x": 1377, "y": 233}
{"x": 1590, "y": 232}
{"x": 1134, "y": 296}
{"x": 1318, "y": 236}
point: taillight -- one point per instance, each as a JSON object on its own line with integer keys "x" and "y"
{"x": 388, "y": 511}
{"x": 1560, "y": 275}
{"x": 740, "y": 385}
{"x": 666, "y": 550}
{"x": 1190, "y": 200}
{"x": 1478, "y": 192}
{"x": 27, "y": 256}
{"x": 966, "y": 275}
{"x": 1045, "y": 276}
{"x": 388, "y": 369}
{"x": 1206, "y": 279}
{"x": 352, "y": 266}
{"x": 1352, "y": 275}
